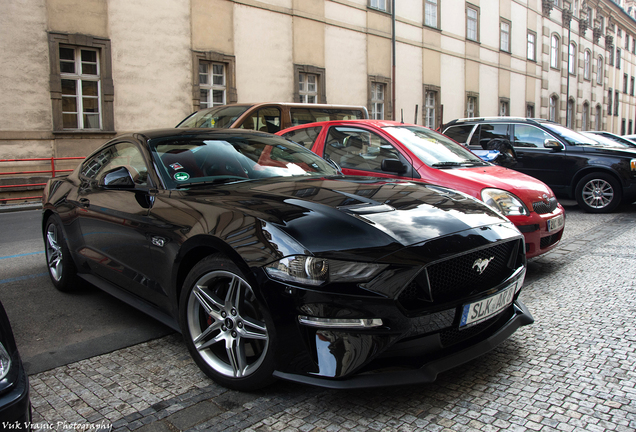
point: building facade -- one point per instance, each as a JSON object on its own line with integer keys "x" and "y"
{"x": 75, "y": 73}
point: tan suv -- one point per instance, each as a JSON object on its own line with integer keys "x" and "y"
{"x": 270, "y": 116}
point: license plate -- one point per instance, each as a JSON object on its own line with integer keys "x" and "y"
{"x": 474, "y": 313}
{"x": 556, "y": 223}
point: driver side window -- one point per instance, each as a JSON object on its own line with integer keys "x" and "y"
{"x": 359, "y": 149}
{"x": 114, "y": 156}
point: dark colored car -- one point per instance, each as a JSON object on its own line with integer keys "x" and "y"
{"x": 599, "y": 177}
{"x": 617, "y": 140}
{"x": 272, "y": 264}
{"x": 15, "y": 406}
{"x": 399, "y": 150}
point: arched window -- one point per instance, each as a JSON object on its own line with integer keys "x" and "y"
{"x": 599, "y": 70}
{"x": 597, "y": 118}
{"x": 552, "y": 114}
{"x": 571, "y": 114}
{"x": 587, "y": 59}
{"x": 554, "y": 52}
{"x": 572, "y": 59}
{"x": 585, "y": 124}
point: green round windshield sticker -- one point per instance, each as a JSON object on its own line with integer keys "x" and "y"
{"x": 181, "y": 176}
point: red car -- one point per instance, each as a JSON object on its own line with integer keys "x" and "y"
{"x": 381, "y": 148}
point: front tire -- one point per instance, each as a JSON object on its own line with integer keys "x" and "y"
{"x": 598, "y": 193}
{"x": 227, "y": 329}
{"x": 62, "y": 269}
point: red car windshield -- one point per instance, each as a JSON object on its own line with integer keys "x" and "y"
{"x": 432, "y": 148}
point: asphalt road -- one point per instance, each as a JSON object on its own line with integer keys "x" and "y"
{"x": 54, "y": 328}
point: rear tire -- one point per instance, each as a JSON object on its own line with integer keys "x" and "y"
{"x": 227, "y": 330}
{"x": 62, "y": 269}
{"x": 598, "y": 193}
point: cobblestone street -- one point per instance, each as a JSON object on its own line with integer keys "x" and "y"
{"x": 573, "y": 369}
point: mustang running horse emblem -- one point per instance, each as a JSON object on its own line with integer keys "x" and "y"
{"x": 481, "y": 264}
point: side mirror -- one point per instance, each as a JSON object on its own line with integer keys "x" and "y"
{"x": 393, "y": 165}
{"x": 553, "y": 144}
{"x": 117, "y": 178}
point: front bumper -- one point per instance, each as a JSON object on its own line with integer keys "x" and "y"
{"x": 430, "y": 369}
{"x": 535, "y": 231}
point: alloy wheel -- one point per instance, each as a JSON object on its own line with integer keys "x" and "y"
{"x": 598, "y": 193}
{"x": 54, "y": 252}
{"x": 226, "y": 325}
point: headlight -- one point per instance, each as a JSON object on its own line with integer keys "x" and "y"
{"x": 317, "y": 271}
{"x": 5, "y": 362}
{"x": 505, "y": 202}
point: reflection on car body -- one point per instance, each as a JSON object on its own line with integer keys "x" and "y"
{"x": 274, "y": 265}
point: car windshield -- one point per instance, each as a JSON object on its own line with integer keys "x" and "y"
{"x": 189, "y": 161}
{"x": 573, "y": 138}
{"x": 219, "y": 117}
{"x": 432, "y": 148}
{"x": 603, "y": 140}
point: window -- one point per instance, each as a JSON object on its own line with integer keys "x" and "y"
{"x": 504, "y": 109}
{"x": 81, "y": 83}
{"x": 625, "y": 79}
{"x": 585, "y": 117}
{"x": 629, "y": 128}
{"x": 529, "y": 136}
{"x": 616, "y": 102}
{"x": 377, "y": 101}
{"x": 530, "y": 110}
{"x": 597, "y": 118}
{"x": 430, "y": 13}
{"x": 309, "y": 84}
{"x": 212, "y": 84}
{"x": 572, "y": 59}
{"x": 360, "y": 149}
{"x": 610, "y": 95}
{"x": 504, "y": 36}
{"x": 623, "y": 126}
{"x": 472, "y": 23}
{"x": 121, "y": 154}
{"x": 430, "y": 105}
{"x": 575, "y": 8}
{"x": 569, "y": 121}
{"x": 618, "y": 58}
{"x": 266, "y": 119}
{"x": 611, "y": 56}
{"x": 599, "y": 70}
{"x": 552, "y": 113}
{"x": 79, "y": 70}
{"x": 587, "y": 59}
{"x": 471, "y": 106}
{"x": 554, "y": 52}
{"x": 214, "y": 79}
{"x": 626, "y": 42}
{"x": 532, "y": 51}
{"x": 382, "y": 5}
{"x": 557, "y": 3}
{"x": 631, "y": 86}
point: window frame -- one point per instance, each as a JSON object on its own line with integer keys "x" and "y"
{"x": 587, "y": 65}
{"x": 386, "y": 82}
{"x": 555, "y": 51}
{"x": 428, "y": 5}
{"x": 476, "y": 9}
{"x": 211, "y": 57}
{"x": 585, "y": 116}
{"x": 600, "y": 65}
{"x": 532, "y": 44}
{"x": 436, "y": 90}
{"x": 386, "y": 9}
{"x": 572, "y": 50}
{"x": 504, "y": 35}
{"x": 320, "y": 85}
{"x": 618, "y": 58}
{"x": 553, "y": 108}
{"x": 474, "y": 97}
{"x": 504, "y": 107}
{"x": 105, "y": 87}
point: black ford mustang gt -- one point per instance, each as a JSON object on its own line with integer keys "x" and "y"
{"x": 272, "y": 264}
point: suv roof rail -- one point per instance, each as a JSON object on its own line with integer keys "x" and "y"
{"x": 497, "y": 119}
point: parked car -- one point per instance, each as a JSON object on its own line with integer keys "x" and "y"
{"x": 632, "y": 138}
{"x": 273, "y": 264}
{"x": 397, "y": 150}
{"x": 618, "y": 140}
{"x": 15, "y": 405}
{"x": 270, "y": 117}
{"x": 599, "y": 177}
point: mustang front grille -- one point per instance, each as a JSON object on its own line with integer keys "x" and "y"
{"x": 460, "y": 276}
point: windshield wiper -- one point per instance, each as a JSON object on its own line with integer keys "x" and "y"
{"x": 211, "y": 182}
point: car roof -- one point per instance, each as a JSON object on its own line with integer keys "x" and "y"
{"x": 369, "y": 122}
{"x": 198, "y": 132}
{"x": 476, "y": 120}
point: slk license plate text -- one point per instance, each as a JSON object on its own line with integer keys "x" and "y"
{"x": 474, "y": 313}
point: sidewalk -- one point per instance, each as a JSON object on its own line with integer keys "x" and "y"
{"x": 6, "y": 208}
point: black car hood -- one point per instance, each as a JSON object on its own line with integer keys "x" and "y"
{"x": 613, "y": 151}
{"x": 357, "y": 212}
